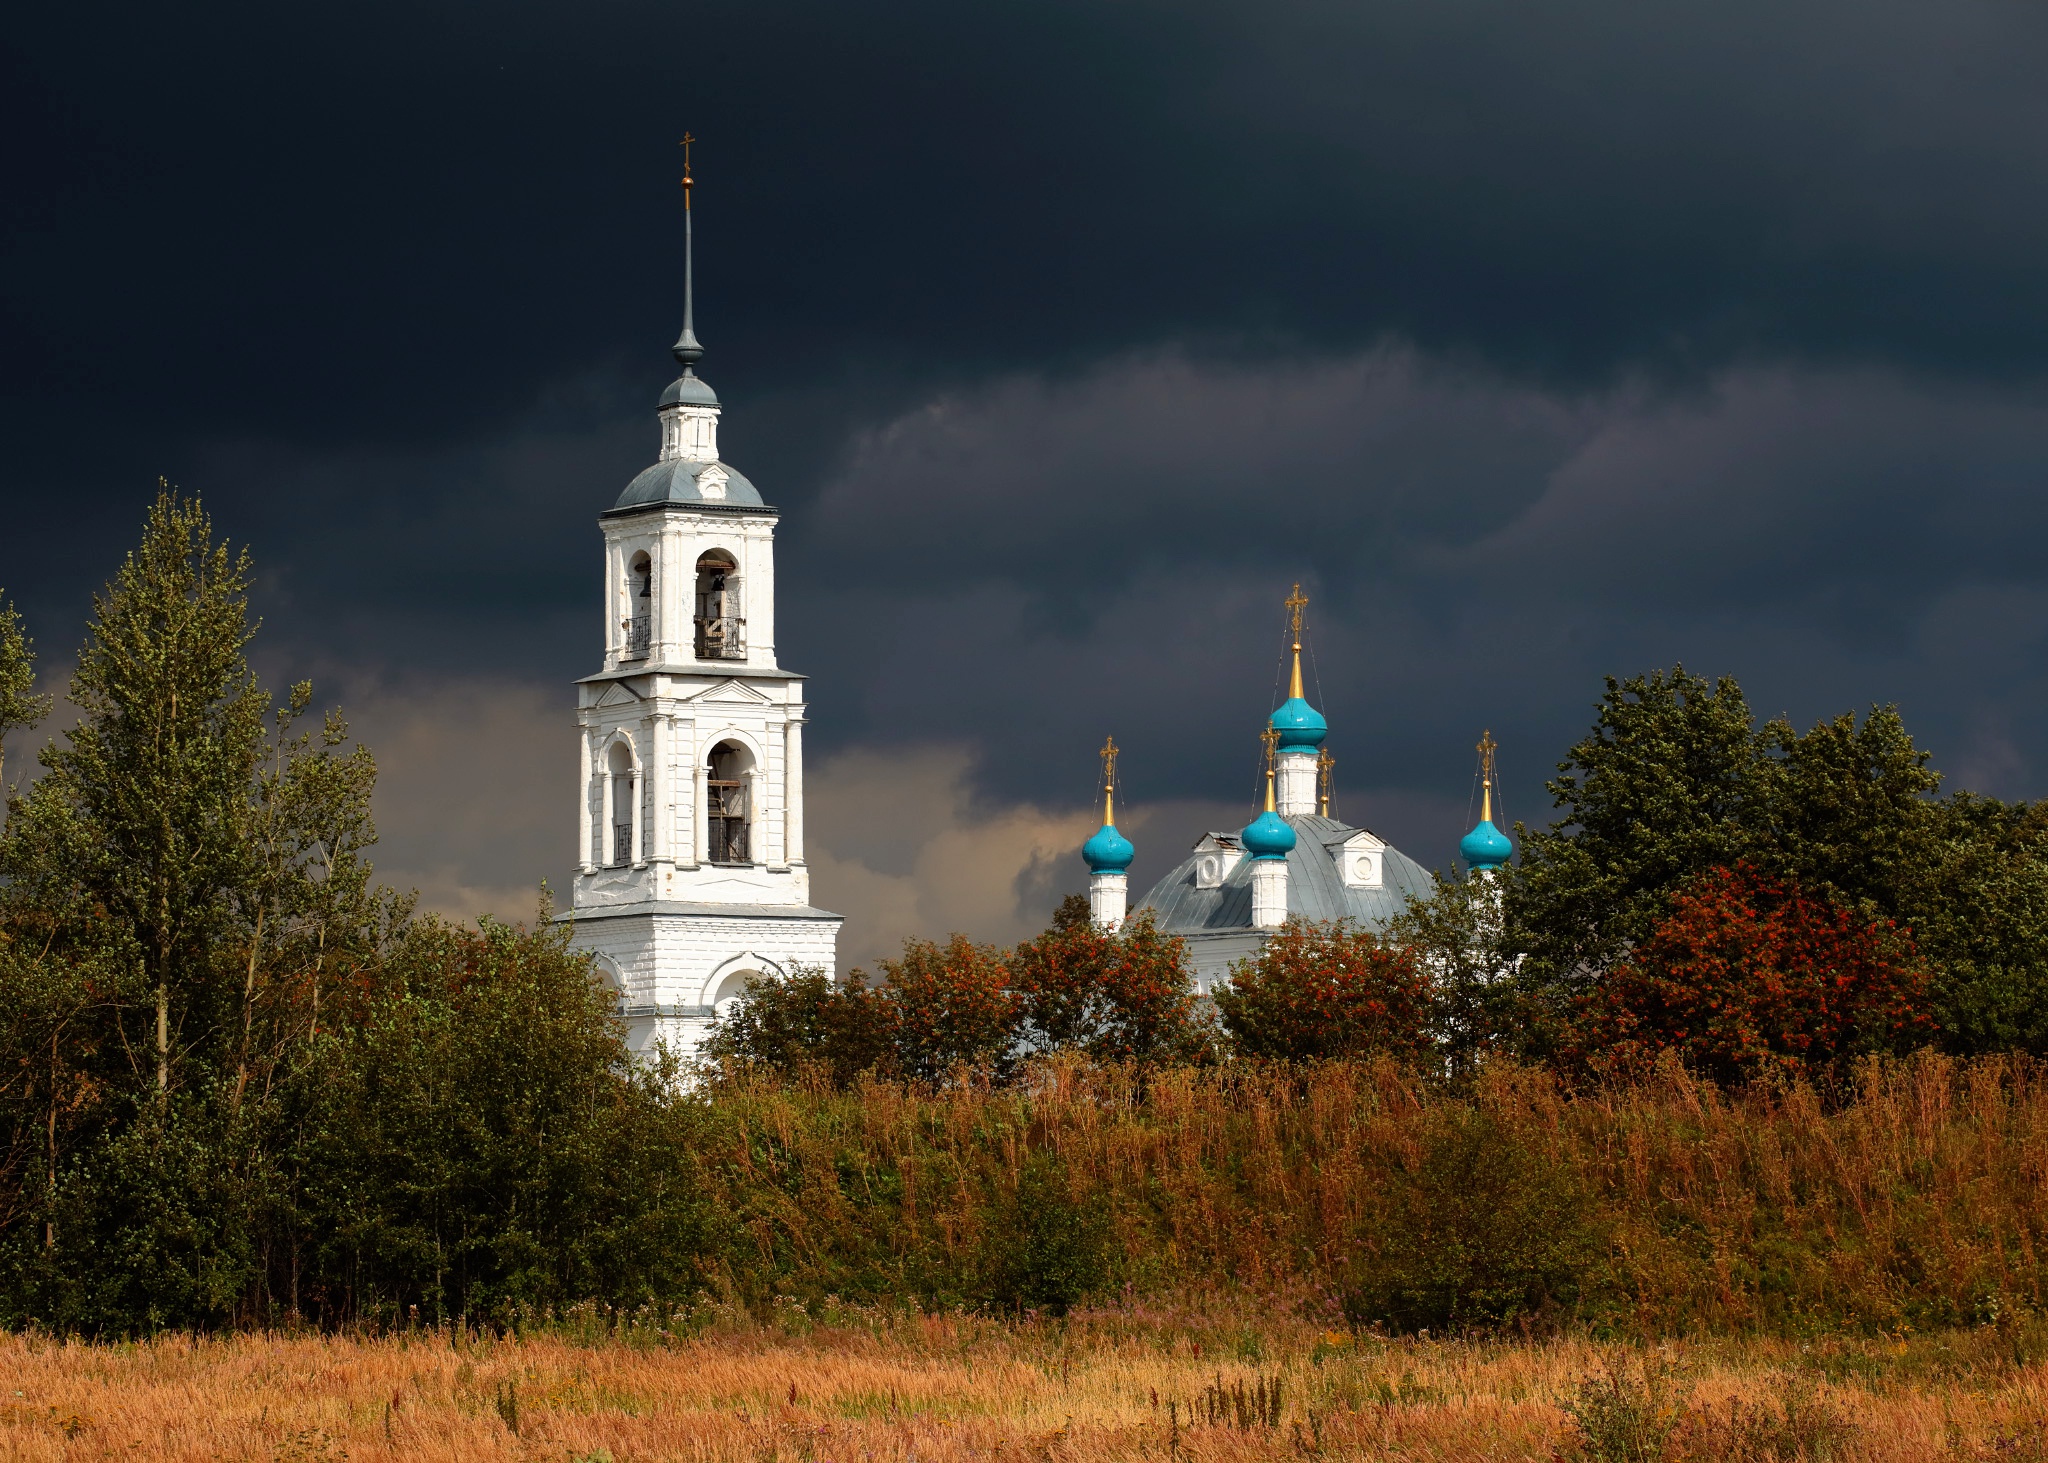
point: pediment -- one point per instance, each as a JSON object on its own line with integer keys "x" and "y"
{"x": 730, "y": 691}
{"x": 1364, "y": 841}
{"x": 618, "y": 694}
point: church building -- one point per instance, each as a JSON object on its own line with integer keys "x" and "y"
{"x": 1292, "y": 861}
{"x": 690, "y": 876}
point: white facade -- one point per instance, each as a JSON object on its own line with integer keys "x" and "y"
{"x": 690, "y": 875}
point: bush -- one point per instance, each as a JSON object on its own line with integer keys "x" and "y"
{"x": 1121, "y": 996}
{"x": 807, "y": 1023}
{"x": 1050, "y": 1250}
{"x": 1750, "y": 977}
{"x": 953, "y": 1008}
{"x": 1326, "y": 991}
{"x": 1483, "y": 1230}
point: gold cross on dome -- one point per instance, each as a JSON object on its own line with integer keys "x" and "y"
{"x": 1486, "y": 749}
{"x": 1109, "y": 750}
{"x": 1296, "y": 603}
{"x": 1271, "y": 737}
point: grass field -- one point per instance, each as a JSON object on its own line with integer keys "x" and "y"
{"x": 1133, "y": 1382}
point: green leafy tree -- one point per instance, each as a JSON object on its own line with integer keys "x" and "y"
{"x": 1665, "y": 785}
{"x": 807, "y": 1022}
{"x": 478, "y": 1139}
{"x": 1847, "y": 808}
{"x": 1976, "y": 901}
{"x": 138, "y": 825}
{"x": 1117, "y": 996}
{"x": 1459, "y": 938}
{"x": 21, "y": 709}
{"x": 1327, "y": 990}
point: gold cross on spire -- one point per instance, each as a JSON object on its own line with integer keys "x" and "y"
{"x": 687, "y": 180}
{"x": 1326, "y": 776}
{"x": 1296, "y": 603}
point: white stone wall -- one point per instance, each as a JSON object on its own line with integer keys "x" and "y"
{"x": 673, "y": 970}
{"x": 1108, "y": 895}
{"x": 1269, "y": 892}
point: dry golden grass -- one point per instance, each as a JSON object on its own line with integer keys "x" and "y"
{"x": 1120, "y": 1384}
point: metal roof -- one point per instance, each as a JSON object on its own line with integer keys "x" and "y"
{"x": 1315, "y": 888}
{"x": 675, "y": 481}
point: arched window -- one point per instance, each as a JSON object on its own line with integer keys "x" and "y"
{"x": 721, "y": 622}
{"x": 640, "y": 601}
{"x": 726, "y": 814}
{"x": 621, "y": 800}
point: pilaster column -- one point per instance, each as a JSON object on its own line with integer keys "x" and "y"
{"x": 583, "y": 800}
{"x": 700, "y": 832}
{"x": 793, "y": 791}
{"x": 660, "y": 848}
{"x": 610, "y": 817}
{"x": 758, "y": 826}
{"x": 638, "y": 783}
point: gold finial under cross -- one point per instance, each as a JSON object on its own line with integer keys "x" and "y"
{"x": 685, "y": 146}
{"x": 1109, "y": 750}
{"x": 1486, "y": 745}
{"x": 1296, "y": 603}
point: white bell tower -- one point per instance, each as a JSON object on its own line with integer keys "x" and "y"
{"x": 690, "y": 877}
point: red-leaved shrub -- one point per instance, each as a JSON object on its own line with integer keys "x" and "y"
{"x": 1750, "y": 976}
{"x": 1326, "y": 990}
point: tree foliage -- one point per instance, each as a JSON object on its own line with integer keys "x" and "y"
{"x": 1118, "y": 995}
{"x": 1752, "y": 977}
{"x": 1327, "y": 990}
{"x": 238, "y": 1081}
{"x": 1675, "y": 780}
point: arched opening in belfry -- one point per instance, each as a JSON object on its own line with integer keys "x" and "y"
{"x": 621, "y": 800}
{"x": 721, "y": 619}
{"x": 640, "y": 607}
{"x": 727, "y": 807}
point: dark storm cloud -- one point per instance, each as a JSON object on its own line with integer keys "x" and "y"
{"x": 1543, "y": 341}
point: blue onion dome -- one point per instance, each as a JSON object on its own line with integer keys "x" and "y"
{"x": 1268, "y": 836}
{"x": 1108, "y": 852}
{"x": 1486, "y": 847}
{"x": 1300, "y": 725}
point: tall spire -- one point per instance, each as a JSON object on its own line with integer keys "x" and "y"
{"x": 1109, "y": 783}
{"x": 1296, "y": 603}
{"x": 686, "y": 348}
{"x": 1486, "y": 750}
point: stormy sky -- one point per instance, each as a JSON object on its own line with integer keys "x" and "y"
{"x": 1539, "y": 341}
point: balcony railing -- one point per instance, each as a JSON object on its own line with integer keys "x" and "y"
{"x": 722, "y": 639}
{"x": 639, "y": 634}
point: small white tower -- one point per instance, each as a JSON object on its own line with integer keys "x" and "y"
{"x": 690, "y": 878}
{"x": 1108, "y": 855}
{"x": 1269, "y": 839}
